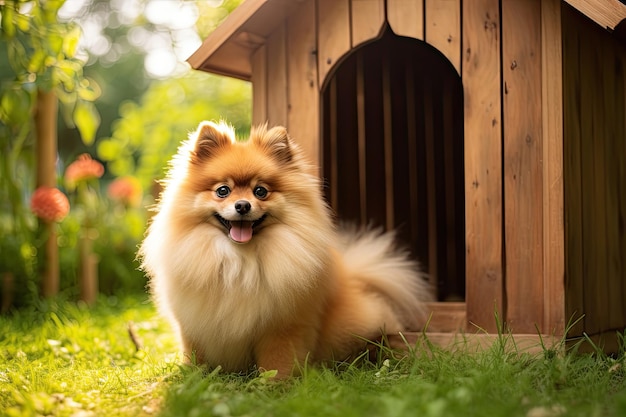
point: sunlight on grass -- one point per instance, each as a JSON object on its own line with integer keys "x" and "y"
{"x": 63, "y": 359}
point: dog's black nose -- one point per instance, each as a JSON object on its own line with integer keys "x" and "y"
{"x": 242, "y": 207}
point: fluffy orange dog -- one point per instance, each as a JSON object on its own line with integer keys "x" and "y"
{"x": 245, "y": 262}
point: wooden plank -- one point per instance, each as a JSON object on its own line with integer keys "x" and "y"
{"x": 303, "y": 117}
{"x": 333, "y": 34}
{"x": 572, "y": 173}
{"x": 594, "y": 269}
{"x": 523, "y": 196}
{"x": 259, "y": 86}
{"x": 406, "y": 17}
{"x": 446, "y": 317}
{"x": 411, "y": 132}
{"x": 388, "y": 144}
{"x": 552, "y": 134}
{"x": 277, "y": 77}
{"x": 224, "y": 32}
{"x": 613, "y": 110}
{"x": 483, "y": 168}
{"x": 451, "y": 200}
{"x": 361, "y": 139}
{"x": 606, "y": 13}
{"x": 334, "y": 163}
{"x": 475, "y": 342}
{"x": 620, "y": 153}
{"x": 228, "y": 48}
{"x": 443, "y": 29}
{"x": 431, "y": 183}
{"x": 368, "y": 18}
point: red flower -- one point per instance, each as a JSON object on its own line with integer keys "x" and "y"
{"x": 50, "y": 204}
{"x": 126, "y": 190}
{"x": 83, "y": 168}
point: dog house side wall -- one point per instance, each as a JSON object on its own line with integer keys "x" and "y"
{"x": 594, "y": 87}
{"x": 513, "y": 206}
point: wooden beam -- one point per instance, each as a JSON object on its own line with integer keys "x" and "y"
{"x": 522, "y": 170}
{"x": 606, "y": 13}
{"x": 46, "y": 145}
{"x": 476, "y": 342}
{"x": 368, "y": 18}
{"x": 228, "y": 49}
{"x": 552, "y": 134}
{"x": 483, "y": 161}
{"x": 406, "y": 17}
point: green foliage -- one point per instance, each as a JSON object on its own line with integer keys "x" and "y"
{"x": 42, "y": 54}
{"x": 148, "y": 133}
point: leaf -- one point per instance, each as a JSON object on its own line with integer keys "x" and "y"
{"x": 55, "y": 42}
{"x": 36, "y": 61}
{"x": 8, "y": 27}
{"x": 87, "y": 120}
{"x": 88, "y": 90}
{"x": 70, "y": 42}
{"x": 15, "y": 107}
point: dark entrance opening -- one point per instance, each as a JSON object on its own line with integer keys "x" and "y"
{"x": 393, "y": 151}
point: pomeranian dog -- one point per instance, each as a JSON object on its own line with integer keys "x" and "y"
{"x": 245, "y": 261}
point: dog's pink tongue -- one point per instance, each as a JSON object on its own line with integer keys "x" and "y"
{"x": 241, "y": 231}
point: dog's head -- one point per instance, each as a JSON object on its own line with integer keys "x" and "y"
{"x": 242, "y": 187}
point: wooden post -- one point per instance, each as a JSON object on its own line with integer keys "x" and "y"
{"x": 46, "y": 145}
{"x": 88, "y": 270}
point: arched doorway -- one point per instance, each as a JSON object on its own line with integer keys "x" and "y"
{"x": 392, "y": 123}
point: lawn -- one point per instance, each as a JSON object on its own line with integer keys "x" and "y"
{"x": 63, "y": 359}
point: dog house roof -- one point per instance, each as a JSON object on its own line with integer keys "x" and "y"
{"x": 227, "y": 50}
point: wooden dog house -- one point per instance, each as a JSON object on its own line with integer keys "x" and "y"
{"x": 490, "y": 133}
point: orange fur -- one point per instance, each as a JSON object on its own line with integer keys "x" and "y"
{"x": 296, "y": 288}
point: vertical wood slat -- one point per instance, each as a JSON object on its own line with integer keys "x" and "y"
{"x": 303, "y": 93}
{"x": 334, "y": 163}
{"x": 443, "y": 28}
{"x": 621, "y": 179}
{"x": 406, "y": 17}
{"x": 361, "y": 140}
{"x": 409, "y": 78}
{"x": 431, "y": 181}
{"x": 388, "y": 143}
{"x": 572, "y": 166}
{"x": 552, "y": 134}
{"x": 368, "y": 18}
{"x": 612, "y": 111}
{"x": 333, "y": 34}
{"x": 483, "y": 168}
{"x": 523, "y": 205}
{"x": 277, "y": 77}
{"x": 259, "y": 86}
{"x": 451, "y": 201}
{"x": 593, "y": 189}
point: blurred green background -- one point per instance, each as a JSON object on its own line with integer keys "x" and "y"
{"x": 126, "y": 97}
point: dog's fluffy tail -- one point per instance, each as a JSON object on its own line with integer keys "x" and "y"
{"x": 378, "y": 290}
{"x": 372, "y": 257}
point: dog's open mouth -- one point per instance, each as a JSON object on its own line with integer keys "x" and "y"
{"x": 240, "y": 231}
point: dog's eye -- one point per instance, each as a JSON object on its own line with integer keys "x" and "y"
{"x": 223, "y": 191}
{"x": 260, "y": 192}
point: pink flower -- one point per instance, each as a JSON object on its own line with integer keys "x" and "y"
{"x": 83, "y": 168}
{"x": 126, "y": 190}
{"x": 49, "y": 204}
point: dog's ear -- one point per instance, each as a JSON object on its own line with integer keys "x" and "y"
{"x": 209, "y": 138}
{"x": 279, "y": 145}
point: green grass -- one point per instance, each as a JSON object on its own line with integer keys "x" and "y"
{"x": 63, "y": 359}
